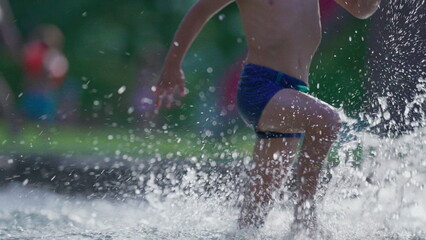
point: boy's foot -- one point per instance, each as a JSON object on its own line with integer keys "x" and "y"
{"x": 253, "y": 215}
{"x": 244, "y": 234}
{"x": 308, "y": 229}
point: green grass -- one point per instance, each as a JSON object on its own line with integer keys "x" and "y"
{"x": 75, "y": 141}
{"x": 127, "y": 143}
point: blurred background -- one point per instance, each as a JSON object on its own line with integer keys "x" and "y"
{"x": 77, "y": 118}
{"x": 76, "y": 78}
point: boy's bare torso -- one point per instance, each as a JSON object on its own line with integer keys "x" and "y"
{"x": 282, "y": 35}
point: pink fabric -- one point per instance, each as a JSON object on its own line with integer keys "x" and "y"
{"x": 328, "y": 9}
{"x": 230, "y": 84}
{"x": 34, "y": 54}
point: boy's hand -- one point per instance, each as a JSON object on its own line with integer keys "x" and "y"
{"x": 170, "y": 79}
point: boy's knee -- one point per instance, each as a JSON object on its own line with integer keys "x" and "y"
{"x": 327, "y": 125}
{"x": 335, "y": 123}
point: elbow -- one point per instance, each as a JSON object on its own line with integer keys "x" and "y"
{"x": 364, "y": 14}
{"x": 365, "y": 9}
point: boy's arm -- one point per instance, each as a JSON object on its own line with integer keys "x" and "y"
{"x": 360, "y": 8}
{"x": 172, "y": 76}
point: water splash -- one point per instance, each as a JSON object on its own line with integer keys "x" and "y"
{"x": 381, "y": 198}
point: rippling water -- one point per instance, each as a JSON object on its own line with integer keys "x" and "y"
{"x": 391, "y": 204}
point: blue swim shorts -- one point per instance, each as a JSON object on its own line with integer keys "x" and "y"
{"x": 256, "y": 87}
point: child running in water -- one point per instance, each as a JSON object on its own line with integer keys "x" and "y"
{"x": 282, "y": 38}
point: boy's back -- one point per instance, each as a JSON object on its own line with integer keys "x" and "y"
{"x": 282, "y": 34}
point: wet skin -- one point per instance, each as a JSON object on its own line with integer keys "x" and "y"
{"x": 283, "y": 35}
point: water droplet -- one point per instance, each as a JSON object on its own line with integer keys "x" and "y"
{"x": 25, "y": 182}
{"x": 121, "y": 90}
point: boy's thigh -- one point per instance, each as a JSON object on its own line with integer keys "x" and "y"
{"x": 291, "y": 111}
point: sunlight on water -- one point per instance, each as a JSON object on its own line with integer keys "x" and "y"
{"x": 382, "y": 199}
{"x": 377, "y": 192}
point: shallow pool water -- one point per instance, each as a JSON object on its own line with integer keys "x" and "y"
{"x": 382, "y": 199}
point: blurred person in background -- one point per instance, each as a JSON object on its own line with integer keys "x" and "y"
{"x": 8, "y": 109}
{"x": 9, "y": 34}
{"x": 227, "y": 87}
{"x": 69, "y": 101}
{"x": 10, "y": 38}
{"x": 45, "y": 68}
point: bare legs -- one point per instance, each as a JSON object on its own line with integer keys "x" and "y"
{"x": 290, "y": 111}
{"x": 272, "y": 158}
{"x": 311, "y": 158}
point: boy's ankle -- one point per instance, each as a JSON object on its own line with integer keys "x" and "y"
{"x": 251, "y": 221}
